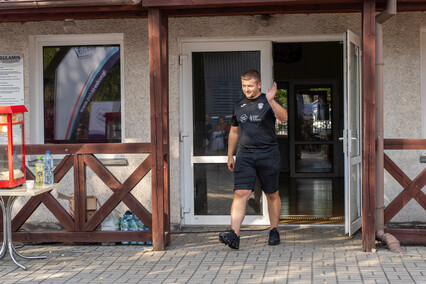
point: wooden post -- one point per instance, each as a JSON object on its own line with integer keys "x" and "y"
{"x": 166, "y": 139}
{"x": 368, "y": 123}
{"x": 158, "y": 96}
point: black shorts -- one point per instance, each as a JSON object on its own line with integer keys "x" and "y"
{"x": 265, "y": 164}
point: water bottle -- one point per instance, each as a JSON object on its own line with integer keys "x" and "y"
{"x": 124, "y": 226}
{"x": 39, "y": 170}
{"x": 133, "y": 226}
{"x": 48, "y": 169}
{"x": 141, "y": 227}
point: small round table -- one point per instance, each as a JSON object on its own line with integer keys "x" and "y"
{"x": 6, "y": 207}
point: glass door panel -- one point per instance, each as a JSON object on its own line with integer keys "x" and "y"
{"x": 214, "y": 192}
{"x": 216, "y": 88}
{"x": 313, "y": 129}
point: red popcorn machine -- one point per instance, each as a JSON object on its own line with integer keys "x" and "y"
{"x": 12, "y": 145}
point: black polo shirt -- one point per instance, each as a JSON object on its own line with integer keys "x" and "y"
{"x": 256, "y": 121}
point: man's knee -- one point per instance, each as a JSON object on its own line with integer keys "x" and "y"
{"x": 273, "y": 196}
{"x": 242, "y": 194}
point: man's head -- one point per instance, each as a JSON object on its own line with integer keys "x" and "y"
{"x": 250, "y": 83}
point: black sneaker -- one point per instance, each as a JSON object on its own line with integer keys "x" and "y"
{"x": 274, "y": 237}
{"x": 252, "y": 203}
{"x": 230, "y": 238}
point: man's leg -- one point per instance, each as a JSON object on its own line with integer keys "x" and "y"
{"x": 274, "y": 208}
{"x": 238, "y": 209}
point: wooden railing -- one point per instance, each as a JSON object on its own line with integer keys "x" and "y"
{"x": 412, "y": 189}
{"x": 77, "y": 228}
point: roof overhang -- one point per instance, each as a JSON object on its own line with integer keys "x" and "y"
{"x": 48, "y": 10}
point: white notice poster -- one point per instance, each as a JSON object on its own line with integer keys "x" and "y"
{"x": 11, "y": 79}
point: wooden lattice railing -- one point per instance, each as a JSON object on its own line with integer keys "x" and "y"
{"x": 77, "y": 228}
{"x": 412, "y": 189}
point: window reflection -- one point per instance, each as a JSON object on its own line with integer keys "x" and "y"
{"x": 216, "y": 88}
{"x": 313, "y": 119}
{"x": 281, "y": 127}
{"x": 314, "y": 158}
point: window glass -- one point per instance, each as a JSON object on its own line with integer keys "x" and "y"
{"x": 281, "y": 127}
{"x": 82, "y": 94}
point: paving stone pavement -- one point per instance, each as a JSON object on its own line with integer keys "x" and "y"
{"x": 306, "y": 255}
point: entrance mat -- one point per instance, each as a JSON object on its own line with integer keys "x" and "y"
{"x": 310, "y": 219}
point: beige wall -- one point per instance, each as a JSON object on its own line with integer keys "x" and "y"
{"x": 402, "y": 105}
{"x": 402, "y": 82}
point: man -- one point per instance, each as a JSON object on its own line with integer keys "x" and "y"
{"x": 253, "y": 130}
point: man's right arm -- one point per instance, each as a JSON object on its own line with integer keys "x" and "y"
{"x": 232, "y": 145}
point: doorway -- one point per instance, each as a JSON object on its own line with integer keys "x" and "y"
{"x": 319, "y": 82}
{"x": 310, "y": 74}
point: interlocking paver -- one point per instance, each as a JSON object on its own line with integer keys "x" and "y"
{"x": 306, "y": 255}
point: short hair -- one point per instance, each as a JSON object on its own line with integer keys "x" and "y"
{"x": 251, "y": 74}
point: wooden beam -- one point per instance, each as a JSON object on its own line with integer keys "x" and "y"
{"x": 97, "y": 148}
{"x": 81, "y": 237}
{"x": 409, "y": 236}
{"x": 80, "y": 193}
{"x": 405, "y": 196}
{"x": 158, "y": 82}
{"x": 368, "y": 129}
{"x": 166, "y": 127}
{"x": 215, "y": 3}
{"x": 114, "y": 184}
{"x": 405, "y": 144}
{"x": 265, "y": 9}
{"x": 186, "y": 8}
{"x": 118, "y": 195}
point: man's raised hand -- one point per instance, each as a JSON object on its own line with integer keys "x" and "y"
{"x": 270, "y": 94}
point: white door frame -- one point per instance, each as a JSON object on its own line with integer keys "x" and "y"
{"x": 350, "y": 136}
{"x": 186, "y": 124}
{"x": 186, "y": 47}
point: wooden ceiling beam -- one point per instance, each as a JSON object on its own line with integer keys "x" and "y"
{"x": 234, "y": 11}
{"x": 233, "y": 3}
{"x": 40, "y": 16}
{"x": 76, "y": 13}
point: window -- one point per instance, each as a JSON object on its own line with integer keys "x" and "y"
{"x": 76, "y": 88}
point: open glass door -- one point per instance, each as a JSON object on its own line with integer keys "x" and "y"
{"x": 211, "y": 85}
{"x": 352, "y": 133}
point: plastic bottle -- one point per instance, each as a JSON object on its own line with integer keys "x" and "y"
{"x": 141, "y": 227}
{"x": 133, "y": 226}
{"x": 124, "y": 226}
{"x": 48, "y": 169}
{"x": 39, "y": 170}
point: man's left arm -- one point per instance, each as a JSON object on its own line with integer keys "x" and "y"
{"x": 280, "y": 111}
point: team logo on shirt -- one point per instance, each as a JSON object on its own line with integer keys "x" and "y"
{"x": 243, "y": 105}
{"x": 243, "y": 118}
{"x": 255, "y": 118}
{"x": 260, "y": 105}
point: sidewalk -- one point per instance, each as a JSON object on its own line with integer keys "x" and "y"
{"x": 306, "y": 255}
